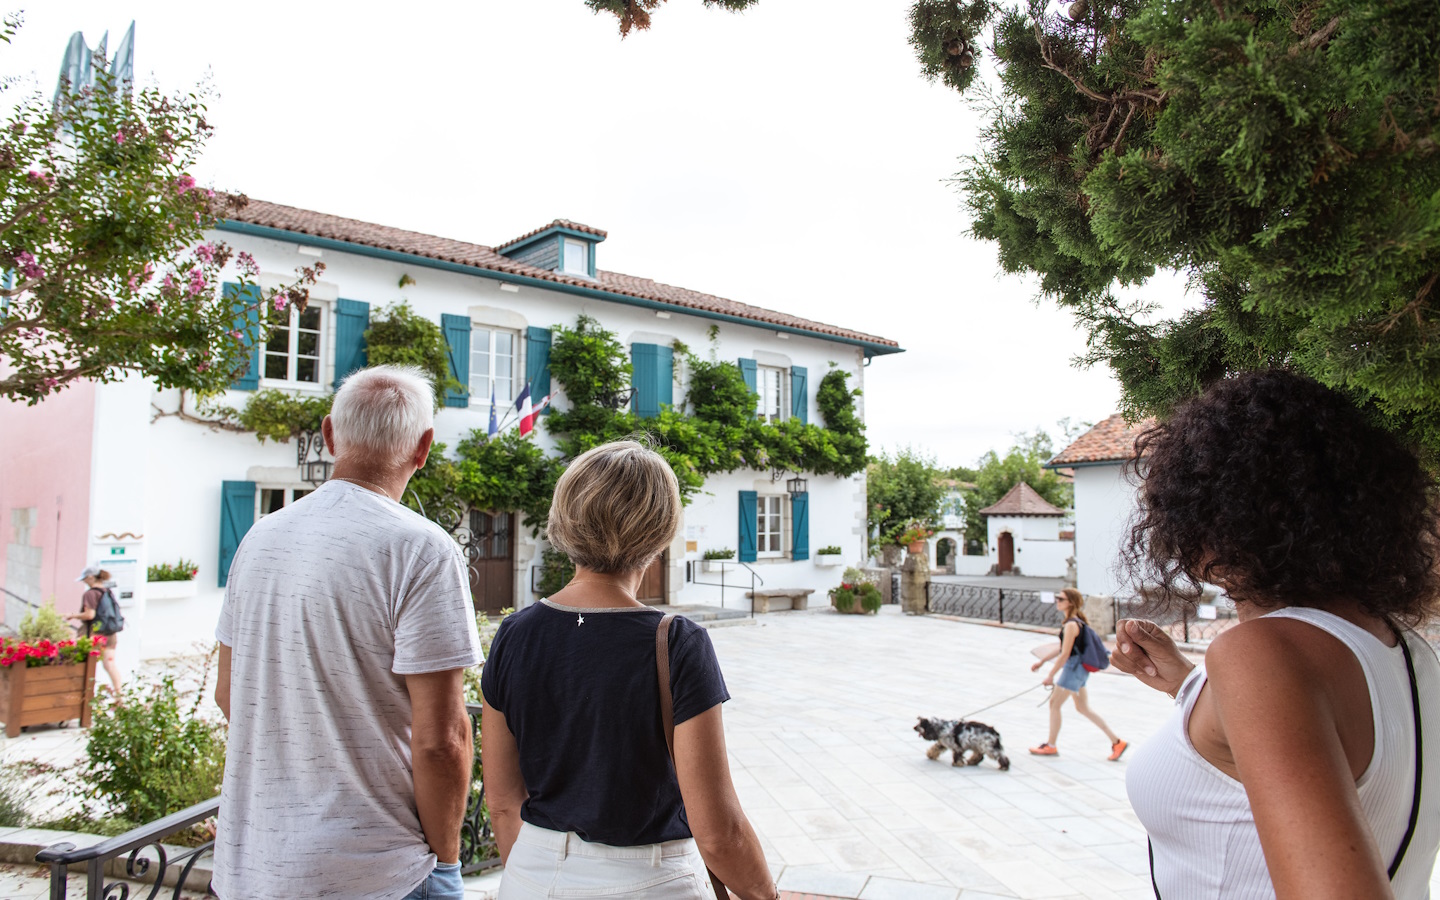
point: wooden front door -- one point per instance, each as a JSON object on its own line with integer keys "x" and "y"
{"x": 652, "y": 586}
{"x": 491, "y": 559}
{"x": 1007, "y": 552}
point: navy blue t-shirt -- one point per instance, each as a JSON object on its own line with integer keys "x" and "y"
{"x": 579, "y": 690}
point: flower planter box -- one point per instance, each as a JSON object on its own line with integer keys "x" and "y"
{"x": 855, "y": 610}
{"x": 715, "y": 565}
{"x": 828, "y": 560}
{"x": 169, "y": 590}
{"x": 43, "y": 694}
{"x": 917, "y": 548}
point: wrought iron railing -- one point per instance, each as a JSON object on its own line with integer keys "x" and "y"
{"x": 478, "y": 850}
{"x": 1007, "y": 606}
{"x": 1184, "y": 625}
{"x": 132, "y": 845}
{"x": 755, "y": 581}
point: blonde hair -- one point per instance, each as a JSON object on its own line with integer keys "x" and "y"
{"x": 616, "y": 508}
{"x": 1077, "y": 604}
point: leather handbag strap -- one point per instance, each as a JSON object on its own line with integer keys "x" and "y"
{"x": 667, "y": 718}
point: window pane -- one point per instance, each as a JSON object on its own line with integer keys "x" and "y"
{"x": 298, "y": 493}
{"x": 271, "y": 500}
{"x": 310, "y": 318}
{"x": 480, "y": 364}
{"x": 307, "y": 370}
{"x": 277, "y": 366}
{"x": 575, "y": 258}
{"x": 307, "y": 343}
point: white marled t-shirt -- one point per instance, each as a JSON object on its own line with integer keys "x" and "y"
{"x": 330, "y": 603}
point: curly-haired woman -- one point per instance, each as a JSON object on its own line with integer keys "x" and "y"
{"x": 1304, "y": 759}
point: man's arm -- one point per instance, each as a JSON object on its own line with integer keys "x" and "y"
{"x": 222, "y": 682}
{"x": 441, "y": 756}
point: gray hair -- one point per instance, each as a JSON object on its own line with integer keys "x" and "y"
{"x": 380, "y": 413}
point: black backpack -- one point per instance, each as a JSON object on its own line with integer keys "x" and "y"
{"x": 108, "y": 619}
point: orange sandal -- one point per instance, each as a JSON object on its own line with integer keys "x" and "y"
{"x": 1044, "y": 750}
{"x": 1117, "y": 748}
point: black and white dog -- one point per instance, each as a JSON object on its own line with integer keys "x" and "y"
{"x": 968, "y": 742}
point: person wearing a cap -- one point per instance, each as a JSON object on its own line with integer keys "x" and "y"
{"x": 95, "y": 578}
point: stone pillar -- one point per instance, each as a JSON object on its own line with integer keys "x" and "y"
{"x": 914, "y": 576}
{"x": 1101, "y": 613}
{"x": 890, "y": 556}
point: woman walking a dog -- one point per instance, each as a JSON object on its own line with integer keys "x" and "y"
{"x": 1068, "y": 675}
{"x": 586, "y": 797}
{"x": 1304, "y": 758}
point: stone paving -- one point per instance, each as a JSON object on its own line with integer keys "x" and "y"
{"x": 837, "y": 784}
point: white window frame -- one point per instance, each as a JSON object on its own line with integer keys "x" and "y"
{"x": 781, "y": 546}
{"x": 584, "y": 248}
{"x": 323, "y": 352}
{"x": 288, "y": 498}
{"x": 781, "y": 393}
{"x": 479, "y": 398}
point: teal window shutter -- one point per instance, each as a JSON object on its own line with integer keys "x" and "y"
{"x": 800, "y": 526}
{"x": 748, "y": 372}
{"x": 537, "y": 362}
{"x": 749, "y": 511}
{"x": 352, "y": 318}
{"x": 457, "y": 352}
{"x": 246, "y": 305}
{"x": 799, "y": 398}
{"x": 653, "y": 377}
{"x": 237, "y": 514}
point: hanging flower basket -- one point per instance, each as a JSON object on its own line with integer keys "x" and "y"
{"x": 47, "y": 682}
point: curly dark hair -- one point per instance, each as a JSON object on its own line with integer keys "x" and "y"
{"x": 1279, "y": 489}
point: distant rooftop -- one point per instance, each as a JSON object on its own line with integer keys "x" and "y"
{"x": 1022, "y": 500}
{"x": 1110, "y": 441}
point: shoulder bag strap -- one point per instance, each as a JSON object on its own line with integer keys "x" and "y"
{"x": 667, "y": 718}
{"x": 1419, "y": 757}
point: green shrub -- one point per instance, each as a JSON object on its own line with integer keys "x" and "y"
{"x": 831, "y": 550}
{"x": 843, "y": 598}
{"x": 556, "y": 570}
{"x": 720, "y": 554}
{"x": 44, "y": 623}
{"x": 150, "y": 755}
{"x": 870, "y": 598}
{"x": 12, "y": 798}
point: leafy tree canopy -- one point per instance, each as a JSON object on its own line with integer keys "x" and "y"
{"x": 102, "y": 240}
{"x": 995, "y": 475}
{"x": 902, "y": 489}
{"x": 1281, "y": 155}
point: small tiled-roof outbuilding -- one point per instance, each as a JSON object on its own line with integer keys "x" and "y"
{"x": 1111, "y": 441}
{"x": 1022, "y": 500}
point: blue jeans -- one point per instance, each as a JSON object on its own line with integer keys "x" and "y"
{"x": 443, "y": 884}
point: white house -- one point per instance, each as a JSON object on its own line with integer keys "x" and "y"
{"x": 1104, "y": 500}
{"x": 1023, "y": 530}
{"x": 107, "y": 473}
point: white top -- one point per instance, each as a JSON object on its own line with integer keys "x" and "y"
{"x": 1199, "y": 819}
{"x": 330, "y": 603}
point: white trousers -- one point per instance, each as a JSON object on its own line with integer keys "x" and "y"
{"x": 546, "y": 864}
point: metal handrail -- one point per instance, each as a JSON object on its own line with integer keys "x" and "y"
{"x": 20, "y": 598}
{"x": 65, "y": 854}
{"x": 754, "y": 577}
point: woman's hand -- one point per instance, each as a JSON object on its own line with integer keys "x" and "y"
{"x": 1038, "y": 664}
{"x": 1049, "y": 680}
{"x": 1144, "y": 650}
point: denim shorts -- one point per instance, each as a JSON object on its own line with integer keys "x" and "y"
{"x": 443, "y": 884}
{"x": 1073, "y": 676}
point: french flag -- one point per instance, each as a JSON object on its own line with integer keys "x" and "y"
{"x": 527, "y": 413}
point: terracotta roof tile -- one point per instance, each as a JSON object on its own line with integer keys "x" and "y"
{"x": 558, "y": 223}
{"x": 1022, "y": 500}
{"x": 1111, "y": 440}
{"x": 478, "y": 256}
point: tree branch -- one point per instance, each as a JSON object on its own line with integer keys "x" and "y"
{"x": 182, "y": 415}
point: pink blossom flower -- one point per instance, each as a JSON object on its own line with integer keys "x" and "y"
{"x": 133, "y": 283}
{"x": 169, "y": 282}
{"x": 197, "y": 281}
{"x": 119, "y": 137}
{"x": 147, "y": 273}
{"x": 201, "y": 366}
{"x": 280, "y": 302}
{"x": 235, "y": 335}
{"x": 247, "y": 263}
{"x": 206, "y": 253}
{"x": 184, "y": 184}
{"x": 28, "y": 266}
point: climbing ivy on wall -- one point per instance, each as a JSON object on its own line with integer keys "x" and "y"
{"x": 714, "y": 429}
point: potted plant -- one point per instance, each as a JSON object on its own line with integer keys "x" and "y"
{"x": 915, "y": 538}
{"x": 164, "y": 581}
{"x": 828, "y": 557}
{"x": 714, "y": 560}
{"x": 47, "y": 681}
{"x": 856, "y": 598}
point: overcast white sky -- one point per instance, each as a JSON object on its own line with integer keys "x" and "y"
{"x": 791, "y": 157}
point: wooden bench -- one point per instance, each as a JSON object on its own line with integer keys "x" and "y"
{"x": 760, "y": 599}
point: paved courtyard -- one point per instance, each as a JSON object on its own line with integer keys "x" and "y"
{"x": 837, "y": 784}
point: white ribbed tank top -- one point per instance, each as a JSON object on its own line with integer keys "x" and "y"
{"x": 1198, "y": 818}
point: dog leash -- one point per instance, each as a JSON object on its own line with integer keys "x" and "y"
{"x": 999, "y": 702}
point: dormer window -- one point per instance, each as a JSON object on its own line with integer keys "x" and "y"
{"x": 575, "y": 257}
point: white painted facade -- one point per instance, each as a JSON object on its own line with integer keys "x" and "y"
{"x": 159, "y": 479}
{"x": 1039, "y": 551}
{"x": 1104, "y": 505}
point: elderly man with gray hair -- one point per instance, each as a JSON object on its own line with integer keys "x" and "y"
{"x": 346, "y": 629}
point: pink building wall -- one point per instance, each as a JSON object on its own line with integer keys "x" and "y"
{"x": 45, "y": 463}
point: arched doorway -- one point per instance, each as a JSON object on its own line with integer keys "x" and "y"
{"x": 490, "y": 552}
{"x": 945, "y": 550}
{"x": 1007, "y": 553}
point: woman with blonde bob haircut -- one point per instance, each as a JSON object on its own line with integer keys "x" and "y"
{"x": 583, "y": 794}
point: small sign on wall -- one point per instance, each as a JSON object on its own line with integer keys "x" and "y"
{"x": 1047, "y": 597}
{"x": 1205, "y": 611}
